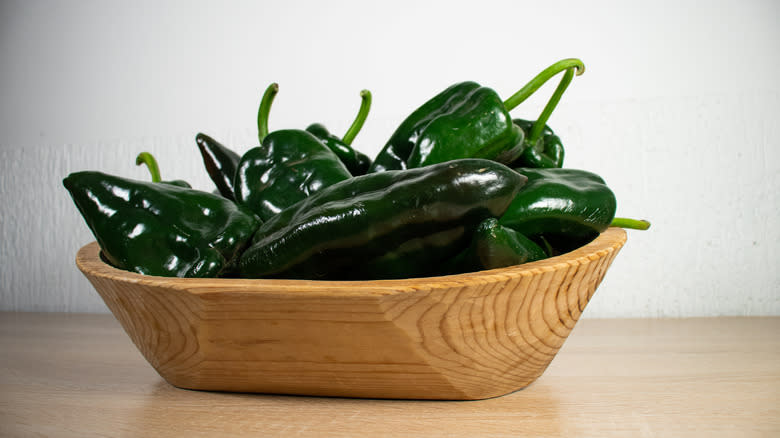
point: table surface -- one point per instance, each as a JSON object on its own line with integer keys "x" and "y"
{"x": 80, "y": 375}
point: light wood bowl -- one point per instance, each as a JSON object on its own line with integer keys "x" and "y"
{"x": 458, "y": 337}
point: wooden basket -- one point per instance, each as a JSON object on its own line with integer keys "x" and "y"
{"x": 458, "y": 337}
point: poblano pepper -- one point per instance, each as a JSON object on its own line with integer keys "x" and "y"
{"x": 161, "y": 229}
{"x": 545, "y": 151}
{"x": 566, "y": 207}
{"x": 154, "y": 170}
{"x": 391, "y": 224}
{"x": 465, "y": 120}
{"x": 494, "y": 246}
{"x": 221, "y": 164}
{"x": 356, "y": 162}
{"x": 287, "y": 167}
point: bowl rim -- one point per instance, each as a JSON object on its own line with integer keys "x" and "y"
{"x": 88, "y": 260}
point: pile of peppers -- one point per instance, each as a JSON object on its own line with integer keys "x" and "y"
{"x": 460, "y": 186}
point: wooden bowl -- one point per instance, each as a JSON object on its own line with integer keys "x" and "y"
{"x": 458, "y": 337}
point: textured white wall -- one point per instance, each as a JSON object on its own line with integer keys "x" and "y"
{"x": 678, "y": 111}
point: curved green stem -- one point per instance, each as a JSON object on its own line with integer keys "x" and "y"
{"x": 151, "y": 164}
{"x": 541, "y": 121}
{"x": 265, "y": 109}
{"x": 357, "y": 125}
{"x": 529, "y": 88}
{"x": 632, "y": 224}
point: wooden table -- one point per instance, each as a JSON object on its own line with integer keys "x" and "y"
{"x": 79, "y": 375}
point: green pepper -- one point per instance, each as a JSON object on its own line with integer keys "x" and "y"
{"x": 495, "y": 246}
{"x": 356, "y": 162}
{"x": 287, "y": 167}
{"x": 161, "y": 229}
{"x": 154, "y": 170}
{"x": 566, "y": 207}
{"x": 465, "y": 120}
{"x": 396, "y": 152}
{"x": 545, "y": 152}
{"x": 393, "y": 224}
{"x": 221, "y": 164}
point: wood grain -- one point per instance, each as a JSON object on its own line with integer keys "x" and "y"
{"x": 68, "y": 375}
{"x": 463, "y": 337}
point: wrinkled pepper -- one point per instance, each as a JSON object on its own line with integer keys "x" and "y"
{"x": 161, "y": 229}
{"x": 464, "y": 121}
{"x": 221, "y": 163}
{"x": 393, "y": 224}
{"x": 357, "y": 162}
{"x": 563, "y": 207}
{"x": 287, "y": 167}
{"x": 154, "y": 170}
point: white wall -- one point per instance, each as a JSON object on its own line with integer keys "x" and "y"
{"x": 678, "y": 111}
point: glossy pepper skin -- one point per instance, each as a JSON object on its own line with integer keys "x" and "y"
{"x": 564, "y": 207}
{"x": 393, "y": 224}
{"x": 464, "y": 121}
{"x": 220, "y": 162}
{"x": 161, "y": 229}
{"x": 495, "y": 246}
{"x": 356, "y": 162}
{"x": 289, "y": 166}
{"x": 546, "y": 152}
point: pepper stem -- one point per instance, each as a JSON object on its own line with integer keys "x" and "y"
{"x": 357, "y": 125}
{"x": 265, "y": 109}
{"x": 540, "y": 79}
{"x": 541, "y": 121}
{"x": 632, "y": 224}
{"x": 151, "y": 164}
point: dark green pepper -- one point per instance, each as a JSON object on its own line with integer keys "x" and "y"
{"x": 161, "y": 229}
{"x": 495, "y": 246}
{"x": 356, "y": 162}
{"x": 479, "y": 127}
{"x": 566, "y": 207}
{"x": 221, "y": 164}
{"x": 391, "y": 224}
{"x": 545, "y": 152}
{"x": 465, "y": 120}
{"x": 398, "y": 149}
{"x": 154, "y": 170}
{"x": 287, "y": 167}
